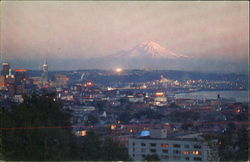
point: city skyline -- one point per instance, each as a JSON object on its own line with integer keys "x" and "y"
{"x": 124, "y": 80}
{"x": 64, "y": 31}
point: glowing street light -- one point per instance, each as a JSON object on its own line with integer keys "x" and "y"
{"x": 83, "y": 133}
{"x": 113, "y": 127}
{"x": 89, "y": 84}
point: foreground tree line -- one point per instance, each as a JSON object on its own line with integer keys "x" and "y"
{"x": 31, "y": 137}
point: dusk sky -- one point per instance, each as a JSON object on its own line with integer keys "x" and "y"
{"x": 59, "y": 30}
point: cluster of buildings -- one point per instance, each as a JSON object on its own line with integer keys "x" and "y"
{"x": 130, "y": 112}
{"x": 14, "y": 82}
{"x": 17, "y": 82}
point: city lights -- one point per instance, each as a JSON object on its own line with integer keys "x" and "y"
{"x": 113, "y": 127}
{"x": 134, "y": 81}
{"x": 185, "y": 152}
{"x": 89, "y": 84}
{"x": 118, "y": 70}
{"x": 83, "y": 133}
{"x": 159, "y": 93}
{"x": 196, "y": 153}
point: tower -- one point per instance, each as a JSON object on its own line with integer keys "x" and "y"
{"x": 218, "y": 103}
{"x": 45, "y": 72}
{"x": 6, "y": 68}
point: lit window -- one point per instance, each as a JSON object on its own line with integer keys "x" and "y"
{"x": 177, "y": 145}
{"x": 113, "y": 127}
{"x": 164, "y": 145}
{"x": 83, "y": 133}
{"x": 196, "y": 153}
{"x": 185, "y": 152}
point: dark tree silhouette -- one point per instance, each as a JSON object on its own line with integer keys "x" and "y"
{"x": 38, "y": 129}
{"x": 153, "y": 157}
{"x": 31, "y": 137}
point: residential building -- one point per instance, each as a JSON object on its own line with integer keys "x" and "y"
{"x": 156, "y": 142}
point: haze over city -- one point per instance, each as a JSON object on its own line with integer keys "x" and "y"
{"x": 80, "y": 35}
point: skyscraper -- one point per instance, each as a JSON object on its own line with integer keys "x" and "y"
{"x": 45, "y": 72}
{"x": 6, "y": 67}
{"x": 1, "y": 82}
{"x": 218, "y": 103}
{"x": 21, "y": 75}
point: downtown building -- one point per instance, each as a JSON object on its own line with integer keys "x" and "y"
{"x": 14, "y": 81}
{"x": 184, "y": 148}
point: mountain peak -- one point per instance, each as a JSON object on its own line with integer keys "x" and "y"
{"x": 150, "y": 49}
{"x": 150, "y": 43}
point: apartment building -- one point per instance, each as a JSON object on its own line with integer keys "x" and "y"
{"x": 156, "y": 142}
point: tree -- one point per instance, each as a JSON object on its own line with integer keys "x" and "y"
{"x": 90, "y": 147}
{"x": 153, "y": 157}
{"x": 125, "y": 117}
{"x": 233, "y": 144}
{"x": 113, "y": 151}
{"x": 212, "y": 142}
{"x": 35, "y": 130}
{"x": 178, "y": 116}
{"x": 187, "y": 126}
{"x": 243, "y": 143}
{"x": 174, "y": 105}
{"x": 94, "y": 148}
{"x": 92, "y": 120}
{"x": 34, "y": 135}
{"x": 1, "y": 149}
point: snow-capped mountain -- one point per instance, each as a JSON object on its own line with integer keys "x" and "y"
{"x": 149, "y": 49}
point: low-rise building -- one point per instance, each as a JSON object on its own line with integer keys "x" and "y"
{"x": 156, "y": 142}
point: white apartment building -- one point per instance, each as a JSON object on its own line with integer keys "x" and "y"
{"x": 169, "y": 149}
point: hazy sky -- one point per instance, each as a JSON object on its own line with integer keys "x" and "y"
{"x": 54, "y": 29}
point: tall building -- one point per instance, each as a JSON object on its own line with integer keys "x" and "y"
{"x": 5, "y": 68}
{"x": 10, "y": 83}
{"x": 21, "y": 75}
{"x": 45, "y": 73}
{"x": 156, "y": 142}
{"x": 9, "y": 78}
{"x": 11, "y": 89}
{"x": 218, "y": 108}
{"x": 21, "y": 80}
{"x": 1, "y": 82}
{"x": 60, "y": 80}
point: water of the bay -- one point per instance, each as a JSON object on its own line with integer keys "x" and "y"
{"x": 239, "y": 96}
